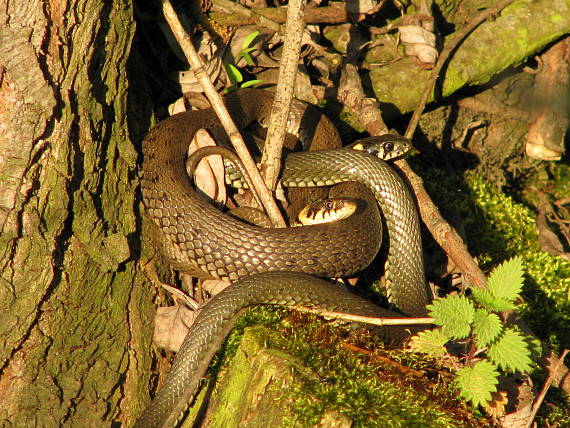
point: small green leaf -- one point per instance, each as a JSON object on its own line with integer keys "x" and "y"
{"x": 510, "y": 352}
{"x": 486, "y": 327}
{"x": 247, "y": 58}
{"x": 489, "y": 301}
{"x": 478, "y": 382}
{"x": 251, "y": 83}
{"x": 246, "y": 51}
{"x": 506, "y": 280}
{"x": 248, "y": 39}
{"x": 454, "y": 314}
{"x": 431, "y": 342}
{"x": 233, "y": 73}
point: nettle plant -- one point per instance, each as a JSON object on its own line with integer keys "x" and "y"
{"x": 493, "y": 347}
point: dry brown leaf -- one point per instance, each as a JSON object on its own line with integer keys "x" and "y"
{"x": 171, "y": 325}
{"x": 209, "y": 176}
{"x": 496, "y": 407}
{"x": 214, "y": 286}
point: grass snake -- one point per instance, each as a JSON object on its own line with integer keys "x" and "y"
{"x": 272, "y": 265}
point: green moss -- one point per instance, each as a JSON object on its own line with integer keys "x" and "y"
{"x": 491, "y": 48}
{"x": 348, "y": 383}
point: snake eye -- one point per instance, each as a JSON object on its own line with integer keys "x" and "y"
{"x": 388, "y": 146}
{"x": 329, "y": 205}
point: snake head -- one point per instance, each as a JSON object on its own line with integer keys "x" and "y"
{"x": 385, "y": 147}
{"x": 327, "y": 210}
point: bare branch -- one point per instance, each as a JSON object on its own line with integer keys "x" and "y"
{"x": 271, "y": 158}
{"x": 220, "y": 109}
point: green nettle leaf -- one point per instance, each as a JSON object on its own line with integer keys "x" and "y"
{"x": 491, "y": 302}
{"x": 486, "y": 327}
{"x": 431, "y": 342}
{"x": 478, "y": 382}
{"x": 506, "y": 280}
{"x": 454, "y": 314}
{"x": 510, "y": 351}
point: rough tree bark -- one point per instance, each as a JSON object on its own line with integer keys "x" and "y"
{"x": 72, "y": 292}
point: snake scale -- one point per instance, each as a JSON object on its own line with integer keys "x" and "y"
{"x": 271, "y": 265}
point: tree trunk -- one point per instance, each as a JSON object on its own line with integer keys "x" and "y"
{"x": 73, "y": 296}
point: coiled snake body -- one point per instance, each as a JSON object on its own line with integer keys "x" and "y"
{"x": 203, "y": 241}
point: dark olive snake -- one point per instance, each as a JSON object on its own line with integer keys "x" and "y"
{"x": 272, "y": 265}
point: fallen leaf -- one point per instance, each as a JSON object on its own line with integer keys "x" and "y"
{"x": 209, "y": 176}
{"x": 171, "y": 324}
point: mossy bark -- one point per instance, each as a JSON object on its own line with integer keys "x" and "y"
{"x": 72, "y": 294}
{"x": 522, "y": 29}
{"x": 298, "y": 387}
{"x": 250, "y": 394}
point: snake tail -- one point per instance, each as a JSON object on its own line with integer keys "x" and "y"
{"x": 216, "y": 319}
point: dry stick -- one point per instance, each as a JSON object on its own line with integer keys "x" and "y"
{"x": 222, "y": 113}
{"x": 351, "y": 93}
{"x": 294, "y": 29}
{"x": 378, "y": 321}
{"x": 334, "y": 13}
{"x": 545, "y": 388}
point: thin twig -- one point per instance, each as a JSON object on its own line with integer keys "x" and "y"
{"x": 408, "y": 371}
{"x": 271, "y": 159}
{"x": 545, "y": 388}
{"x": 220, "y": 109}
{"x": 444, "y": 56}
{"x": 351, "y": 93}
{"x": 364, "y": 319}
